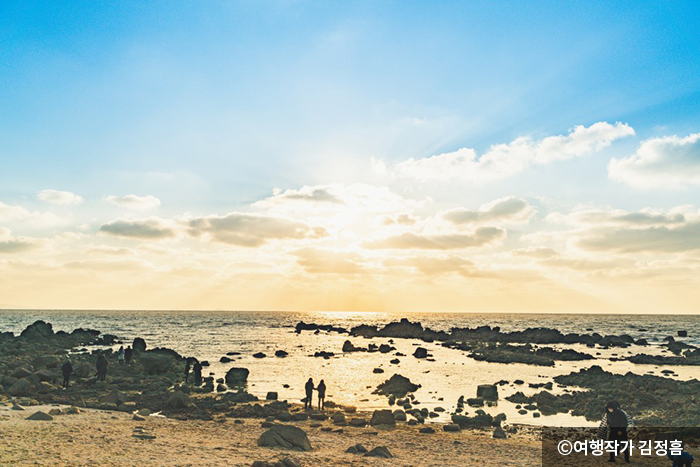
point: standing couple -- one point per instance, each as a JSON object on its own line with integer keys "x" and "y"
{"x": 321, "y": 388}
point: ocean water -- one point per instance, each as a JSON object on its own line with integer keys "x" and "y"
{"x": 209, "y": 335}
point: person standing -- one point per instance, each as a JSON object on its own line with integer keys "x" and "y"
{"x": 614, "y": 427}
{"x": 188, "y": 364}
{"x": 197, "y": 374}
{"x": 67, "y": 370}
{"x": 120, "y": 355}
{"x": 102, "y": 367}
{"x": 128, "y": 353}
{"x": 309, "y": 394}
{"x": 321, "y": 388}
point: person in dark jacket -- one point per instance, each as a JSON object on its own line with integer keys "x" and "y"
{"x": 188, "y": 365}
{"x": 309, "y": 394}
{"x": 684, "y": 459}
{"x": 197, "y": 374}
{"x": 321, "y": 388}
{"x": 614, "y": 427}
{"x": 102, "y": 367}
{"x": 128, "y": 353}
{"x": 67, "y": 370}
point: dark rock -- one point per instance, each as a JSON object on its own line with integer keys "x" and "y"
{"x": 683, "y": 333}
{"x": 259, "y": 355}
{"x": 395, "y": 361}
{"x": 382, "y": 417}
{"x": 225, "y": 360}
{"x": 379, "y": 451}
{"x": 178, "y": 400}
{"x": 39, "y": 415}
{"x": 285, "y": 436}
{"x": 271, "y": 396}
{"x": 487, "y": 392}
{"x": 377, "y": 370}
{"x": 139, "y": 345}
{"x": 237, "y": 376}
{"x": 427, "y": 430}
{"x": 280, "y": 353}
{"x": 397, "y": 385}
{"x": 420, "y": 352}
{"x": 498, "y": 433}
{"x": 39, "y": 330}
{"x": 451, "y": 427}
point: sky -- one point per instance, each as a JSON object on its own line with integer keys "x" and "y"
{"x": 360, "y": 156}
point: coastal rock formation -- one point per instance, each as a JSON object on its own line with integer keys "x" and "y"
{"x": 379, "y": 451}
{"x": 285, "y": 436}
{"x": 382, "y": 417}
{"x": 139, "y": 344}
{"x": 237, "y": 376}
{"x": 487, "y": 392}
{"x": 397, "y": 385}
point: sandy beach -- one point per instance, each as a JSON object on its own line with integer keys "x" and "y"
{"x": 106, "y": 438}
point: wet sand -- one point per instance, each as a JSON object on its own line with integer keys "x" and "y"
{"x": 106, "y": 438}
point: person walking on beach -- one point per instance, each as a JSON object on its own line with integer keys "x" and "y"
{"x": 102, "y": 367}
{"x": 188, "y": 364}
{"x": 197, "y": 374}
{"x": 120, "y": 355}
{"x": 614, "y": 427}
{"x": 128, "y": 353}
{"x": 309, "y": 394}
{"x": 321, "y": 388}
{"x": 67, "y": 370}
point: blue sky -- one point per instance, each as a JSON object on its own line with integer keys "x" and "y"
{"x": 210, "y": 106}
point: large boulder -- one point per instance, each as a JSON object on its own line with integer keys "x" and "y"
{"x": 487, "y": 392}
{"x": 83, "y": 370}
{"x": 139, "y": 344}
{"x": 21, "y": 387}
{"x": 115, "y": 397}
{"x": 46, "y": 361}
{"x": 285, "y": 436}
{"x": 420, "y": 352}
{"x": 379, "y": 451}
{"x": 157, "y": 363}
{"x": 397, "y": 385}
{"x": 46, "y": 375}
{"x": 39, "y": 415}
{"x": 178, "y": 400}
{"x": 37, "y": 331}
{"x": 383, "y": 417}
{"x": 237, "y": 376}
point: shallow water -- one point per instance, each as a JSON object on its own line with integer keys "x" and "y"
{"x": 209, "y": 335}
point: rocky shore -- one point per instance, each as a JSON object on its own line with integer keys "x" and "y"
{"x": 150, "y": 390}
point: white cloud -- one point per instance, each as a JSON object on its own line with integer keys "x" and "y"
{"x": 10, "y": 244}
{"x": 142, "y": 229}
{"x": 59, "y": 197}
{"x": 508, "y": 209}
{"x": 139, "y": 203}
{"x": 9, "y": 213}
{"x": 503, "y": 160}
{"x": 642, "y": 218}
{"x": 667, "y": 162}
{"x": 251, "y": 230}
{"x": 408, "y": 240}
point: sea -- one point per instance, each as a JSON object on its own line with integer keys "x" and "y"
{"x": 351, "y": 377}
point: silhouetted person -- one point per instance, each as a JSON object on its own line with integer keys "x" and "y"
{"x": 67, "y": 370}
{"x": 120, "y": 354}
{"x": 101, "y": 367}
{"x": 188, "y": 365}
{"x": 309, "y": 394}
{"x": 197, "y": 374}
{"x": 128, "y": 353}
{"x": 614, "y": 427}
{"x": 321, "y": 388}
